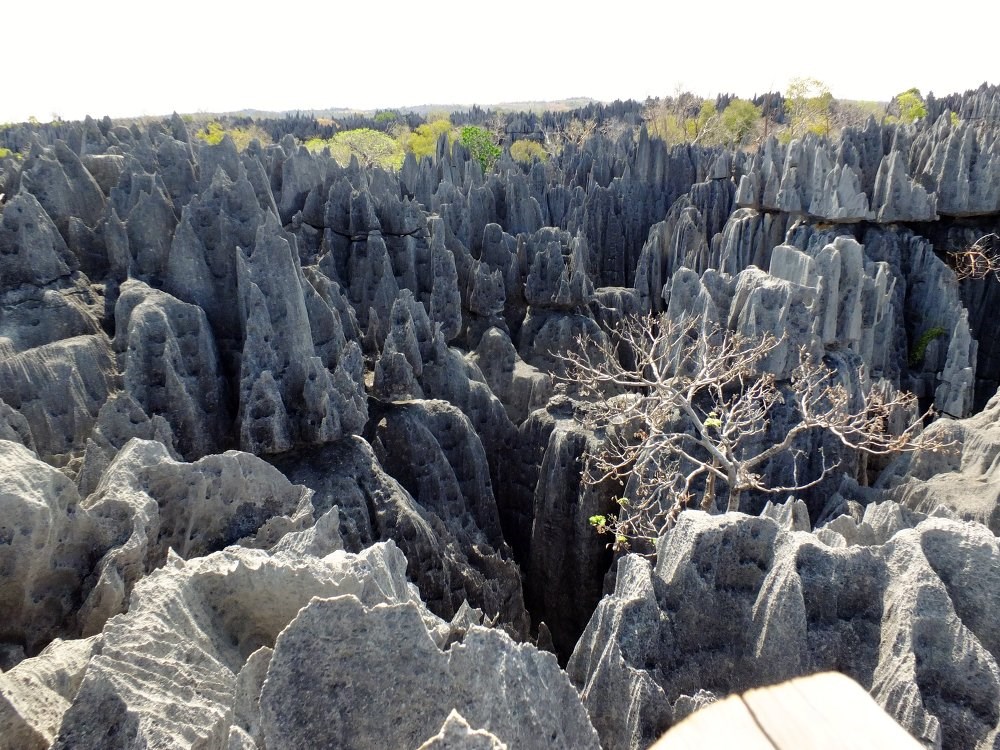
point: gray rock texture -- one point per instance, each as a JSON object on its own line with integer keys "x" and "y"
{"x": 735, "y": 601}
{"x": 432, "y": 449}
{"x": 963, "y": 476}
{"x": 171, "y": 366}
{"x": 59, "y": 389}
{"x": 489, "y": 678}
{"x": 35, "y": 694}
{"x": 169, "y": 668}
{"x": 149, "y": 506}
{"x": 48, "y": 544}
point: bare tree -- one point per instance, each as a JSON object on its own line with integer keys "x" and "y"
{"x": 688, "y": 425}
{"x": 979, "y": 260}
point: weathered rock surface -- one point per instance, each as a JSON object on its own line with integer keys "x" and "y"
{"x": 59, "y": 388}
{"x": 432, "y": 449}
{"x": 148, "y": 504}
{"x": 734, "y": 601}
{"x": 167, "y": 671}
{"x": 963, "y": 476}
{"x": 35, "y": 694}
{"x": 48, "y": 545}
{"x": 492, "y": 680}
{"x": 171, "y": 366}
{"x": 456, "y": 734}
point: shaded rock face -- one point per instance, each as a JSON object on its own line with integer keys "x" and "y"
{"x": 59, "y": 388}
{"x": 431, "y": 448}
{"x": 735, "y": 602}
{"x": 171, "y": 366}
{"x": 48, "y": 544}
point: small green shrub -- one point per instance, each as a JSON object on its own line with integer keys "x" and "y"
{"x": 423, "y": 141}
{"x": 215, "y": 131}
{"x": 371, "y": 147}
{"x": 480, "y": 143}
{"x": 525, "y": 152}
{"x": 920, "y": 348}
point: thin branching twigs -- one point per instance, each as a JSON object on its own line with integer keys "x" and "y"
{"x": 689, "y": 424}
{"x": 980, "y": 260}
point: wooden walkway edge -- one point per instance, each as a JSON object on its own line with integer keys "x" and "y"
{"x": 826, "y": 711}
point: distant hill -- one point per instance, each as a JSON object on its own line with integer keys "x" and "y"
{"x": 559, "y": 105}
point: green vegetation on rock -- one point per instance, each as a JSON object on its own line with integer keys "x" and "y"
{"x": 480, "y": 143}
{"x": 215, "y": 131}
{"x": 920, "y": 348}
{"x": 371, "y": 147}
{"x": 525, "y": 152}
{"x": 423, "y": 140}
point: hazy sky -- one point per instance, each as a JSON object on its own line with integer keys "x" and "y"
{"x": 120, "y": 58}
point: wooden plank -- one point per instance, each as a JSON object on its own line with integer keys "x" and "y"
{"x": 826, "y": 711}
{"x": 726, "y": 724}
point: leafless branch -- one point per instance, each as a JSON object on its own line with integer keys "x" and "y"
{"x": 978, "y": 261}
{"x": 689, "y": 423}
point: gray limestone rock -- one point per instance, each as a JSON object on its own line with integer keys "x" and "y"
{"x": 167, "y": 673}
{"x": 679, "y": 240}
{"x": 35, "y": 694}
{"x": 349, "y": 703}
{"x": 963, "y": 163}
{"x": 148, "y": 503}
{"x": 547, "y": 334}
{"x": 735, "y": 602}
{"x": 59, "y": 389}
{"x": 14, "y": 427}
{"x": 171, "y": 366}
{"x": 791, "y": 515}
{"x": 765, "y": 304}
{"x": 106, "y": 169}
{"x": 519, "y": 386}
{"x": 558, "y": 280}
{"x": 291, "y": 390}
{"x": 853, "y": 305}
{"x": 456, "y": 734}
{"x": 551, "y": 501}
{"x": 299, "y": 175}
{"x": 841, "y": 199}
{"x": 446, "y": 300}
{"x": 963, "y": 476}
{"x": 432, "y": 449}
{"x": 33, "y": 250}
{"x": 201, "y": 267}
{"x": 618, "y": 682}
{"x": 48, "y": 542}
{"x": 63, "y": 186}
{"x": 897, "y": 197}
{"x": 150, "y": 224}
{"x": 747, "y": 239}
{"x": 34, "y": 316}
{"x": 958, "y": 378}
{"x": 120, "y": 419}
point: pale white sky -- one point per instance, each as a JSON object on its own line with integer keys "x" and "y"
{"x": 72, "y": 58}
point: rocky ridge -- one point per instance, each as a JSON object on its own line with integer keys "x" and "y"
{"x": 254, "y": 401}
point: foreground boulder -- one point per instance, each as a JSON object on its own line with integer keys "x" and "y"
{"x": 734, "y": 602}
{"x": 327, "y": 684}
